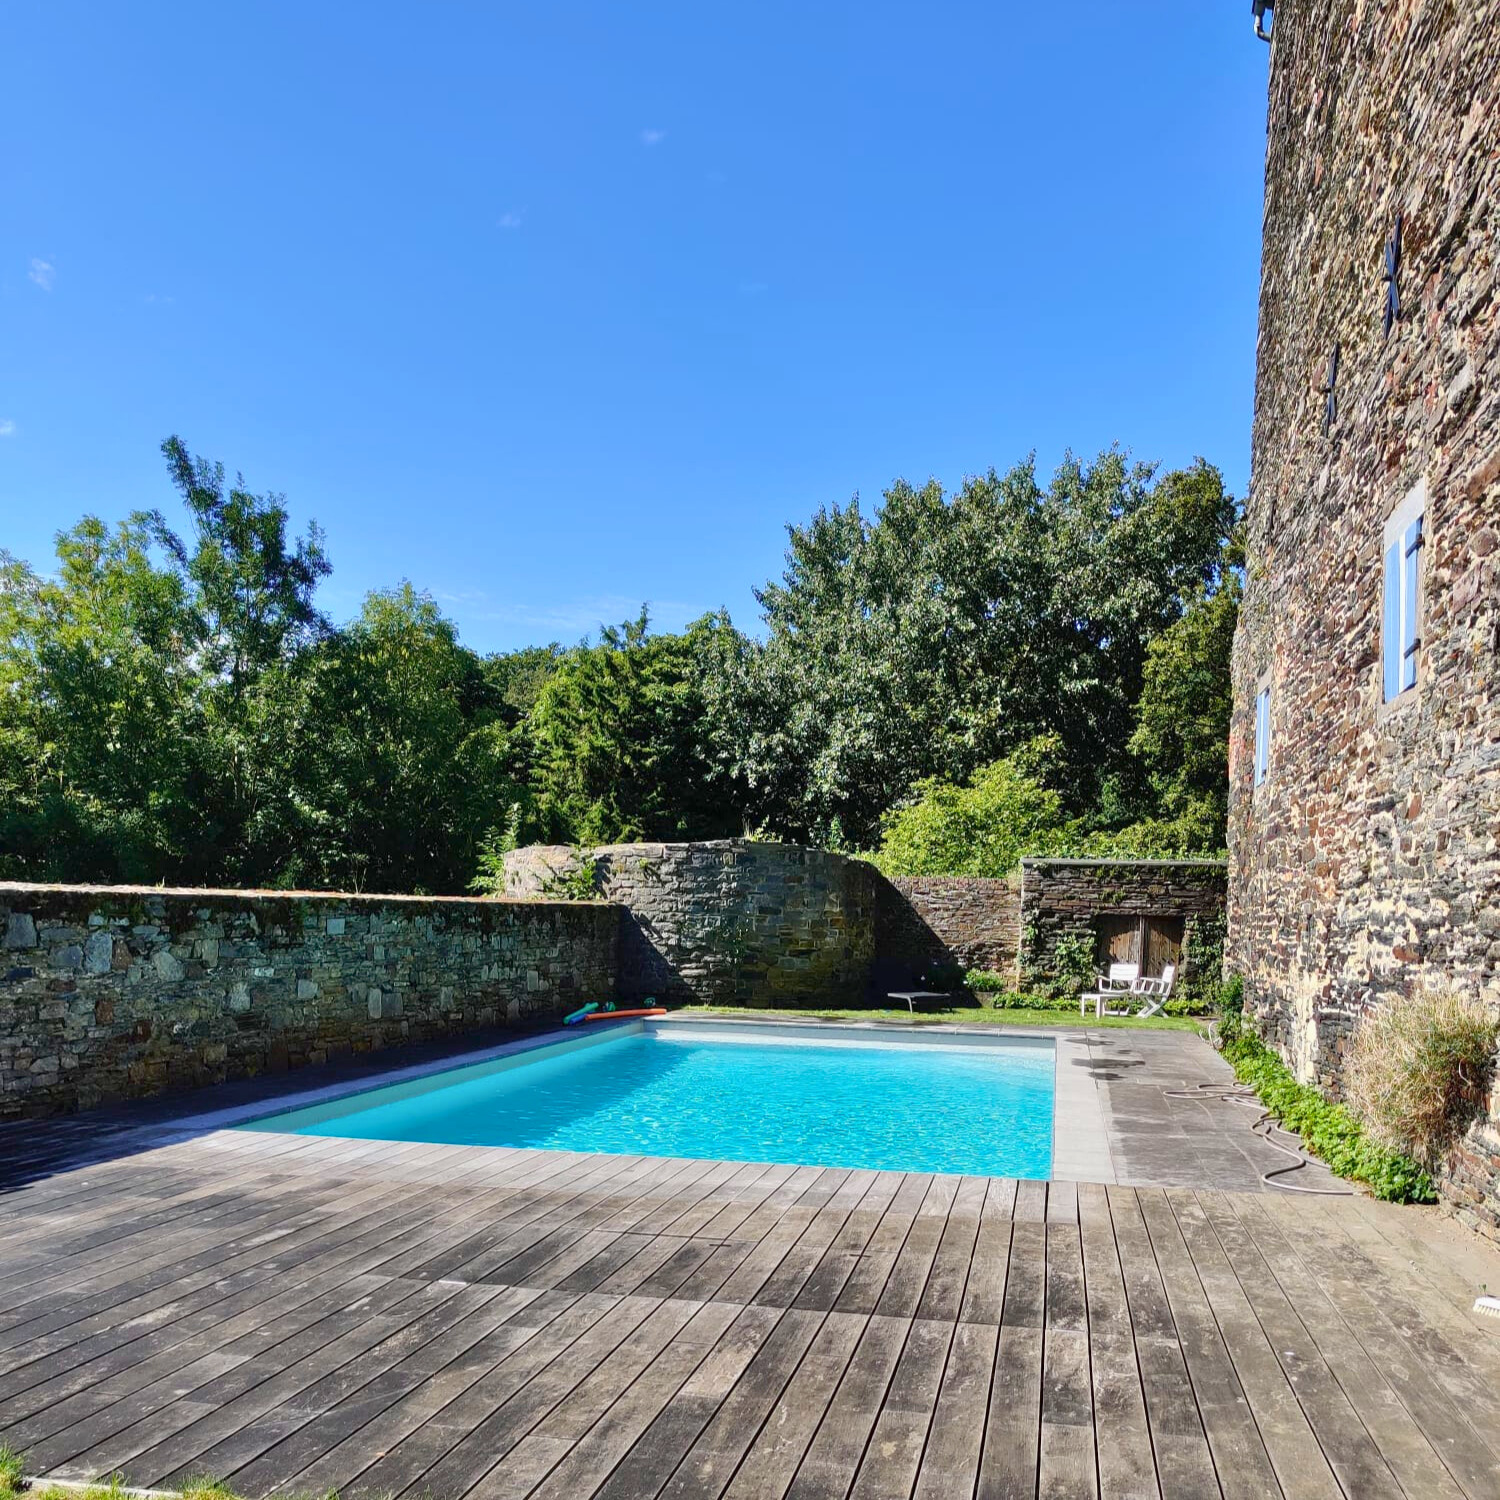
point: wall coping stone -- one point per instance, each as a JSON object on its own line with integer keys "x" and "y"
{"x": 252, "y": 893}
{"x": 1165, "y": 864}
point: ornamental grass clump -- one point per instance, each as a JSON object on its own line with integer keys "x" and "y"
{"x": 1420, "y": 1069}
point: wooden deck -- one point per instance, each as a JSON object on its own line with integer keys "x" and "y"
{"x": 302, "y": 1314}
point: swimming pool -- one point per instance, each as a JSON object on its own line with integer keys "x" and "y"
{"x": 750, "y": 1095}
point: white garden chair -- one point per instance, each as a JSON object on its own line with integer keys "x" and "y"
{"x": 1114, "y": 985}
{"x": 1154, "y": 993}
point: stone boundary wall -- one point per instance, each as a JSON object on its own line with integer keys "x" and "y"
{"x": 1066, "y": 897}
{"x": 926, "y": 922}
{"x": 727, "y": 922}
{"x": 117, "y": 992}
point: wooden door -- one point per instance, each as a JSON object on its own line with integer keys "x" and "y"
{"x": 1161, "y": 942}
{"x": 1119, "y": 941}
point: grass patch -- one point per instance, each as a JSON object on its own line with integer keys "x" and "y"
{"x": 14, "y": 1487}
{"x": 1327, "y": 1129}
{"x": 993, "y": 989}
{"x": 1419, "y": 1070}
{"x": 968, "y": 1015}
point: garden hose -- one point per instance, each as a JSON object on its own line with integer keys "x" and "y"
{"x": 1240, "y": 1093}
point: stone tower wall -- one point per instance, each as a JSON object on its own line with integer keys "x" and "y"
{"x": 1368, "y": 862}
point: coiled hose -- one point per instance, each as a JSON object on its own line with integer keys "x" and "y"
{"x": 1263, "y": 1126}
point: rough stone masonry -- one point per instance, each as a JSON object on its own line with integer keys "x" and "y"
{"x": 1368, "y": 860}
{"x": 112, "y": 993}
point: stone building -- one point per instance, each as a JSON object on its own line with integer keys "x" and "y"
{"x": 1365, "y": 754}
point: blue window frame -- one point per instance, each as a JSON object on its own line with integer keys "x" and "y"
{"x": 1262, "y": 734}
{"x": 1400, "y": 641}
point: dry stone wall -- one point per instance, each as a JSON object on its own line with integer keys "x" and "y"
{"x": 937, "y": 922}
{"x": 728, "y": 922}
{"x": 113, "y": 993}
{"x": 1064, "y": 899}
{"x": 1368, "y": 861}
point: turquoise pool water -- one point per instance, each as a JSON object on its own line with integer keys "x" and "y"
{"x": 907, "y": 1108}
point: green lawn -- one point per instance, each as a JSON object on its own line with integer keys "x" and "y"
{"x": 969, "y": 1015}
{"x": 13, "y": 1486}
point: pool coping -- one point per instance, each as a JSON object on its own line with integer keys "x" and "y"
{"x": 1080, "y": 1140}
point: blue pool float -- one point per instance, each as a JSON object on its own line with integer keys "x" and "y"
{"x": 581, "y": 1015}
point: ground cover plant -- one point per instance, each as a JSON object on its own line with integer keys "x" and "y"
{"x": 998, "y": 992}
{"x": 1327, "y": 1129}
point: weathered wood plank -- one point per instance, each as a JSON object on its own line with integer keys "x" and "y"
{"x": 894, "y": 1453}
{"x": 769, "y": 1467}
{"x": 1241, "y": 1461}
{"x": 1067, "y": 1467}
{"x": 1127, "y": 1470}
{"x": 710, "y": 1464}
{"x": 1418, "y": 1366}
{"x": 950, "y": 1461}
{"x": 601, "y": 1449}
{"x": 1010, "y": 1458}
{"x": 1292, "y": 1310}
{"x": 656, "y": 1454}
{"x": 835, "y": 1451}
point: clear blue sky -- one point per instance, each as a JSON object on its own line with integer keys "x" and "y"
{"x": 557, "y": 308}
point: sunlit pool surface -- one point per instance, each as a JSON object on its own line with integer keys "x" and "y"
{"x": 907, "y": 1108}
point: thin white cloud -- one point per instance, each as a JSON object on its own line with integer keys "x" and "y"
{"x": 653, "y": 137}
{"x": 569, "y": 619}
{"x": 43, "y": 272}
{"x": 512, "y": 220}
{"x": 162, "y": 297}
{"x": 7, "y": 427}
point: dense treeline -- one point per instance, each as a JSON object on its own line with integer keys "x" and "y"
{"x": 952, "y": 680}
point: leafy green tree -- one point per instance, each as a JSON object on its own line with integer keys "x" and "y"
{"x": 1182, "y": 723}
{"x": 252, "y": 590}
{"x": 516, "y": 678}
{"x": 99, "y": 772}
{"x": 393, "y": 780}
{"x": 980, "y": 828}
{"x": 947, "y": 631}
{"x": 618, "y": 734}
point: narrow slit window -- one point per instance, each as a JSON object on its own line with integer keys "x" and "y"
{"x": 1262, "y": 734}
{"x": 1400, "y": 638}
{"x": 1411, "y": 549}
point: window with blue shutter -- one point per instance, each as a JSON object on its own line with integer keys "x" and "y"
{"x": 1401, "y": 596}
{"x": 1262, "y": 734}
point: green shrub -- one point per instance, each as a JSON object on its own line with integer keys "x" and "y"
{"x": 1328, "y": 1130}
{"x": 1229, "y": 1007}
{"x": 986, "y": 981}
{"x": 1419, "y": 1070}
{"x": 1073, "y": 961}
{"x": 996, "y": 991}
{"x": 982, "y": 827}
{"x": 578, "y": 880}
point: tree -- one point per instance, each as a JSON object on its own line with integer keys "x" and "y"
{"x": 948, "y": 631}
{"x": 397, "y": 769}
{"x": 251, "y": 590}
{"x": 100, "y": 774}
{"x": 1182, "y": 721}
{"x": 618, "y": 735}
{"x": 980, "y": 828}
